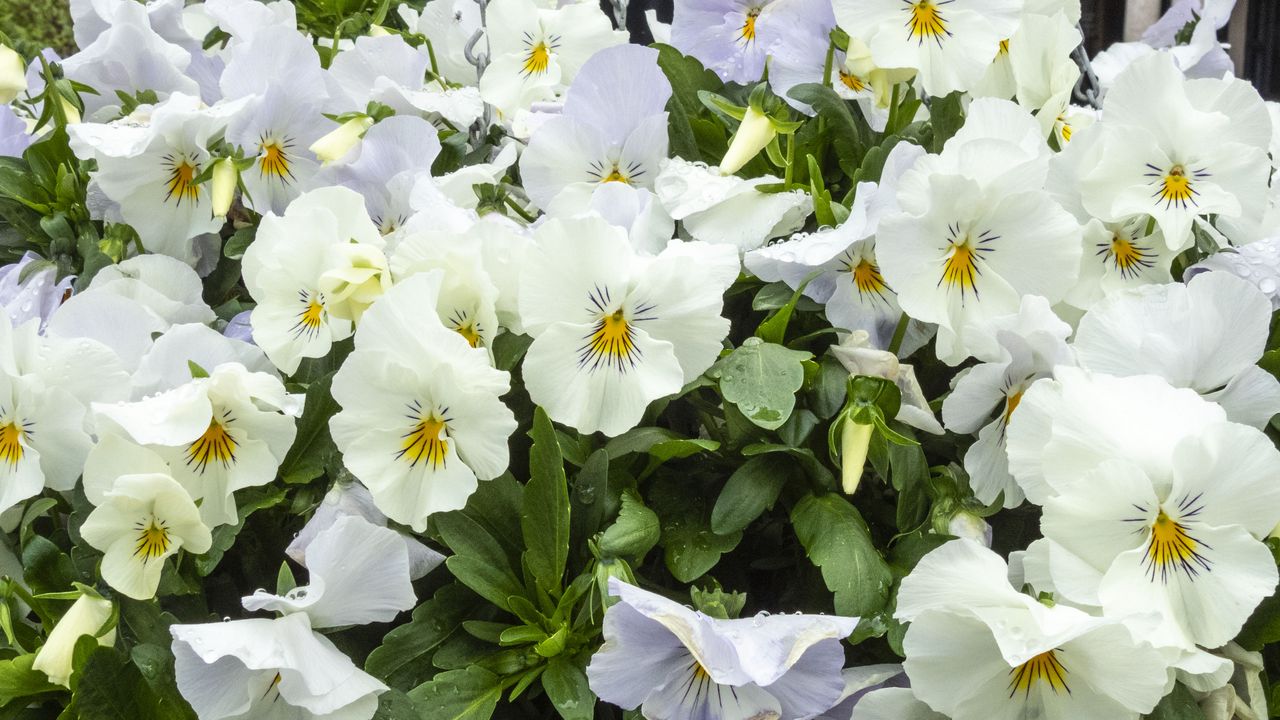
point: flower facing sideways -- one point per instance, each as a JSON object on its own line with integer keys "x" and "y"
{"x": 421, "y": 419}
{"x": 678, "y": 664}
{"x": 142, "y": 520}
{"x": 614, "y": 330}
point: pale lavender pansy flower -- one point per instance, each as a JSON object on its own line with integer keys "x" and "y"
{"x": 679, "y": 664}
{"x": 14, "y": 138}
{"x": 381, "y": 171}
{"x": 238, "y": 328}
{"x": 35, "y": 296}
{"x": 612, "y": 129}
{"x": 734, "y": 38}
{"x": 1257, "y": 262}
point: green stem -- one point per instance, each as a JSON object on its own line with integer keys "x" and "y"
{"x": 826, "y": 67}
{"x": 519, "y": 210}
{"x": 791, "y": 160}
{"x": 898, "y": 334}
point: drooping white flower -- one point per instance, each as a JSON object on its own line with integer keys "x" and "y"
{"x": 614, "y": 330}
{"x": 354, "y": 500}
{"x": 859, "y": 356}
{"x": 167, "y": 288}
{"x": 728, "y": 209}
{"x": 977, "y": 232}
{"x": 1043, "y": 71}
{"x": 977, "y": 648}
{"x": 1032, "y": 347}
{"x": 167, "y": 364}
{"x": 144, "y": 518}
{"x": 536, "y": 51}
{"x": 1182, "y": 541}
{"x": 1206, "y": 335}
{"x": 358, "y": 574}
{"x": 950, "y": 44}
{"x": 269, "y": 668}
{"x": 679, "y": 664}
{"x": 88, "y": 615}
{"x": 421, "y": 418}
{"x": 296, "y": 263}
{"x": 1177, "y": 151}
{"x": 214, "y": 435}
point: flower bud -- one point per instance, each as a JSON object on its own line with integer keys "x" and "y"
{"x": 225, "y": 180}
{"x": 376, "y": 30}
{"x": 967, "y": 525}
{"x": 755, "y": 132}
{"x": 13, "y": 75}
{"x": 338, "y": 143}
{"x": 854, "y": 440}
{"x": 86, "y": 617}
{"x": 69, "y": 109}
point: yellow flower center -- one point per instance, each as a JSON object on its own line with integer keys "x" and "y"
{"x": 960, "y": 269}
{"x": 1172, "y": 548}
{"x": 1126, "y": 256}
{"x": 610, "y": 344}
{"x": 1043, "y": 668}
{"x": 926, "y": 22}
{"x": 747, "y": 34}
{"x": 1064, "y": 128}
{"x": 153, "y": 540}
{"x": 1004, "y": 46}
{"x": 538, "y": 59}
{"x": 1011, "y": 404}
{"x": 426, "y": 442}
{"x": 274, "y": 163}
{"x": 311, "y": 316}
{"x": 616, "y": 176}
{"x": 1175, "y": 187}
{"x": 215, "y": 445}
{"x": 868, "y": 280}
{"x": 181, "y": 184}
{"x": 851, "y": 81}
{"x": 11, "y": 450}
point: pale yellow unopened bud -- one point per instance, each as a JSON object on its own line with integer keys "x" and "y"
{"x": 855, "y": 438}
{"x": 376, "y": 30}
{"x": 754, "y": 134}
{"x": 13, "y": 75}
{"x": 69, "y": 109}
{"x": 86, "y": 617}
{"x": 338, "y": 143}
{"x": 225, "y": 179}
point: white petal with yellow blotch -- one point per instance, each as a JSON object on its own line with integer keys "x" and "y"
{"x": 142, "y": 520}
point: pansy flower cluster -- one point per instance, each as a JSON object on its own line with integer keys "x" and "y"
{"x": 465, "y": 359}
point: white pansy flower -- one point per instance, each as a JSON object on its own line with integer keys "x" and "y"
{"x": 449, "y": 25}
{"x": 977, "y": 232}
{"x": 614, "y": 330}
{"x": 1183, "y": 542}
{"x": 167, "y": 364}
{"x": 1178, "y": 151}
{"x": 269, "y": 668}
{"x": 214, "y": 435}
{"x": 143, "y": 519}
{"x": 316, "y": 245}
{"x": 950, "y": 43}
{"x": 468, "y": 298}
{"x": 421, "y": 419}
{"x": 1206, "y": 335}
{"x": 675, "y": 663}
{"x": 1031, "y": 349}
{"x": 978, "y": 649}
{"x": 358, "y": 574}
{"x": 893, "y": 704}
{"x": 1044, "y": 72}
{"x": 728, "y": 209}
{"x": 169, "y": 289}
{"x": 151, "y": 171}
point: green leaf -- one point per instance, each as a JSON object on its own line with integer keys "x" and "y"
{"x": 401, "y": 659}
{"x": 691, "y": 547}
{"x": 839, "y": 543}
{"x": 544, "y": 516}
{"x": 239, "y": 242}
{"x": 395, "y": 705}
{"x": 155, "y": 662}
{"x": 761, "y": 379}
{"x": 751, "y": 489}
{"x": 635, "y": 532}
{"x": 909, "y": 473}
{"x": 112, "y": 688}
{"x": 774, "y": 329}
{"x": 1178, "y": 705}
{"x": 224, "y": 536}
{"x": 18, "y": 680}
{"x": 847, "y": 134}
{"x": 312, "y": 447}
{"x": 687, "y": 77}
{"x": 470, "y": 694}
{"x": 947, "y": 116}
{"x": 567, "y": 688}
{"x": 479, "y": 562}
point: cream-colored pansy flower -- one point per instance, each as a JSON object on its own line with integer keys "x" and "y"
{"x": 143, "y": 519}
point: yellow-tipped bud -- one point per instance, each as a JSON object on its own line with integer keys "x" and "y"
{"x": 13, "y": 75}
{"x": 754, "y": 134}
{"x": 855, "y": 438}
{"x": 225, "y": 179}
{"x": 338, "y": 143}
{"x": 86, "y": 617}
